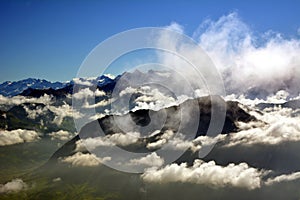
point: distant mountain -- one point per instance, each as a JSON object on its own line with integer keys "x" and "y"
{"x": 293, "y": 104}
{"x": 10, "y": 88}
{"x": 103, "y": 82}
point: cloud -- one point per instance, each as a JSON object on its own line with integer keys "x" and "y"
{"x": 283, "y": 178}
{"x": 96, "y": 105}
{"x": 84, "y": 160}
{"x": 250, "y": 63}
{"x": 107, "y": 141}
{"x": 83, "y": 82}
{"x": 61, "y": 135}
{"x": 111, "y": 76}
{"x": 63, "y": 111}
{"x": 268, "y": 61}
{"x": 17, "y": 136}
{"x": 170, "y": 141}
{"x": 152, "y": 160}
{"x": 210, "y": 174}
{"x": 280, "y": 96}
{"x": 58, "y": 179}
{"x": 15, "y": 185}
{"x": 32, "y": 114}
{"x": 163, "y": 139}
{"x": 88, "y": 93}
{"x": 8, "y": 102}
{"x": 281, "y": 126}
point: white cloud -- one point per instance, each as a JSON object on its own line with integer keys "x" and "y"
{"x": 175, "y": 27}
{"x": 15, "y": 185}
{"x": 32, "y": 114}
{"x": 61, "y": 135}
{"x": 283, "y": 178}
{"x": 280, "y": 126}
{"x": 80, "y": 81}
{"x": 108, "y": 140}
{"x": 111, "y": 76}
{"x": 83, "y": 93}
{"x": 245, "y": 63}
{"x": 58, "y": 179}
{"x": 152, "y": 160}
{"x": 210, "y": 174}
{"x": 17, "y": 136}
{"x": 164, "y": 138}
{"x": 263, "y": 63}
{"x": 280, "y": 96}
{"x": 63, "y": 111}
{"x": 96, "y": 105}
{"x": 17, "y": 100}
{"x": 88, "y": 93}
{"x": 80, "y": 159}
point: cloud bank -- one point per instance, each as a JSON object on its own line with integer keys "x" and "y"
{"x": 240, "y": 175}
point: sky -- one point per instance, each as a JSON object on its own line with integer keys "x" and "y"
{"x": 50, "y": 39}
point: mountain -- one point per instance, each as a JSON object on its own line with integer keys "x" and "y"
{"x": 42, "y": 119}
{"x": 10, "y": 88}
{"x": 234, "y": 113}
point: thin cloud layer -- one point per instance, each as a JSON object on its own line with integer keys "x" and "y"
{"x": 107, "y": 141}
{"x": 283, "y": 178}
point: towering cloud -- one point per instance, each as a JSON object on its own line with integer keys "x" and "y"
{"x": 260, "y": 64}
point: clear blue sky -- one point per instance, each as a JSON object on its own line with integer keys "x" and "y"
{"x": 50, "y": 39}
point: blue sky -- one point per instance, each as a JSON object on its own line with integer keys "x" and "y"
{"x": 50, "y": 39}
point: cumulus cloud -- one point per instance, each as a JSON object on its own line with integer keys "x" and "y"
{"x": 152, "y": 160}
{"x": 210, "y": 174}
{"x": 83, "y": 82}
{"x": 88, "y": 93}
{"x": 149, "y": 98}
{"x": 17, "y": 136}
{"x": 281, "y": 126}
{"x": 162, "y": 140}
{"x": 85, "y": 160}
{"x": 170, "y": 141}
{"x": 108, "y": 140}
{"x": 61, "y": 135}
{"x": 15, "y": 185}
